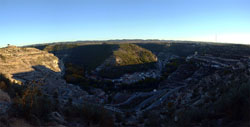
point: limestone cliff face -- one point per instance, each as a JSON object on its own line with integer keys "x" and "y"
{"x": 14, "y": 60}
{"x": 30, "y": 66}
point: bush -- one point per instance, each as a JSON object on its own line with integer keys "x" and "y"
{"x": 12, "y": 89}
{"x": 28, "y": 102}
{"x": 233, "y": 105}
{"x": 236, "y": 102}
{"x": 97, "y": 115}
{"x": 91, "y": 114}
{"x": 33, "y": 104}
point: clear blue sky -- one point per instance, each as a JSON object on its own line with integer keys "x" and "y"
{"x": 38, "y": 21}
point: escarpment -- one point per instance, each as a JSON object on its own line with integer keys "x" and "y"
{"x": 15, "y": 60}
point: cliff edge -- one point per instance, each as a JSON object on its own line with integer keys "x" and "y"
{"x": 15, "y": 60}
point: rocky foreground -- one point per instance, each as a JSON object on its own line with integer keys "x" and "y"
{"x": 195, "y": 90}
{"x": 201, "y": 91}
{"x": 36, "y": 70}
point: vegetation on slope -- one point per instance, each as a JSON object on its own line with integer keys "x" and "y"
{"x": 232, "y": 108}
{"x": 185, "y": 49}
{"x": 129, "y": 58}
{"x": 90, "y": 56}
{"x": 30, "y": 103}
{"x": 58, "y": 47}
{"x": 131, "y": 54}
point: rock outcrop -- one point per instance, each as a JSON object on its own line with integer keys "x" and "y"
{"x": 14, "y": 60}
{"x": 30, "y": 66}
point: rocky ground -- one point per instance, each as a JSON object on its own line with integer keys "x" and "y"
{"x": 191, "y": 94}
{"x": 193, "y": 85}
{"x": 33, "y": 67}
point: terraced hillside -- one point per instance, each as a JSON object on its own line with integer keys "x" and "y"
{"x": 18, "y": 60}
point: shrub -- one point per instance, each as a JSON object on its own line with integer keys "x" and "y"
{"x": 12, "y": 89}
{"x": 2, "y": 57}
{"x": 92, "y": 114}
{"x": 33, "y": 104}
{"x": 97, "y": 115}
{"x": 236, "y": 102}
{"x": 233, "y": 105}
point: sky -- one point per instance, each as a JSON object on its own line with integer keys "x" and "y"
{"x": 24, "y": 22}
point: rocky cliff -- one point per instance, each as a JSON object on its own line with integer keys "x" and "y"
{"x": 14, "y": 60}
{"x": 31, "y": 66}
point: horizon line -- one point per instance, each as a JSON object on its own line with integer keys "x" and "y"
{"x": 100, "y": 40}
